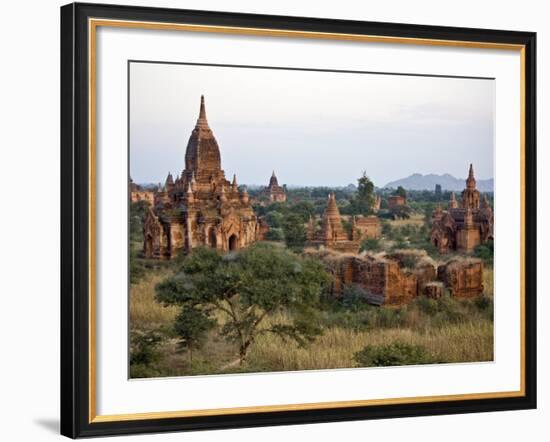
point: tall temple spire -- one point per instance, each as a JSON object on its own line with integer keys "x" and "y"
{"x": 273, "y": 180}
{"x": 471, "y": 181}
{"x": 332, "y": 223}
{"x": 203, "y": 153}
{"x": 332, "y": 207}
{"x": 202, "y": 121}
{"x": 453, "y": 203}
{"x": 244, "y": 196}
{"x": 470, "y": 195}
{"x": 202, "y": 113}
{"x": 169, "y": 179}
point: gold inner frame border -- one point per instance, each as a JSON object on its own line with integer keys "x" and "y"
{"x": 93, "y": 24}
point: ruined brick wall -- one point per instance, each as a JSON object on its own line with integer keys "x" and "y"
{"x": 396, "y": 201}
{"x": 425, "y": 274}
{"x": 463, "y": 277}
{"x": 433, "y": 290}
{"x": 382, "y": 279}
{"x": 371, "y": 274}
{"x": 418, "y": 263}
{"x": 369, "y": 226}
{"x": 401, "y": 286}
{"x": 344, "y": 246}
{"x": 388, "y": 281}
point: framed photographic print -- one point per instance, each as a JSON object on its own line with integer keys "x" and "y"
{"x": 275, "y": 220}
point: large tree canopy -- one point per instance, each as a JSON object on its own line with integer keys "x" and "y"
{"x": 239, "y": 291}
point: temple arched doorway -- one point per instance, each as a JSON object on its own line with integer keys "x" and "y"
{"x": 233, "y": 242}
{"x": 212, "y": 238}
{"x": 148, "y": 252}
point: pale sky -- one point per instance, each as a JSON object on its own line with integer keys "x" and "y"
{"x": 312, "y": 128}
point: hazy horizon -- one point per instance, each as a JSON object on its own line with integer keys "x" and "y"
{"x": 312, "y": 128}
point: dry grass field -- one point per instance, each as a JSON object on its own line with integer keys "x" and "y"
{"x": 471, "y": 341}
{"x": 454, "y": 332}
{"x": 145, "y": 312}
{"x": 416, "y": 219}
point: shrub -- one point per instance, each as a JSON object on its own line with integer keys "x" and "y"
{"x": 387, "y": 229}
{"x": 372, "y": 245}
{"x": 403, "y": 212}
{"x": 485, "y": 252}
{"x": 274, "y": 219}
{"x": 484, "y": 305}
{"x": 396, "y": 353}
{"x": 275, "y": 234}
{"x": 354, "y": 297}
{"x": 444, "y": 310}
{"x": 137, "y": 267}
{"x": 427, "y": 305}
{"x": 409, "y": 261}
{"x": 144, "y": 348}
{"x": 137, "y": 213}
{"x": 144, "y": 371}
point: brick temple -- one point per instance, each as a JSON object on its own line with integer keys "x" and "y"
{"x": 273, "y": 191}
{"x": 200, "y": 207}
{"x": 465, "y": 226}
{"x": 332, "y": 234}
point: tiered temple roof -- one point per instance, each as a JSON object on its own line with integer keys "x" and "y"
{"x": 201, "y": 207}
{"x": 465, "y": 227}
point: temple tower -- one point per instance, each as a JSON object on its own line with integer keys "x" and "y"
{"x": 470, "y": 195}
{"x": 200, "y": 207}
{"x": 332, "y": 222}
{"x": 468, "y": 237}
{"x": 275, "y": 192}
{"x": 453, "y": 203}
{"x": 202, "y": 156}
{"x": 273, "y": 180}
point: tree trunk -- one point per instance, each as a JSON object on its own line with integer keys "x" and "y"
{"x": 243, "y": 352}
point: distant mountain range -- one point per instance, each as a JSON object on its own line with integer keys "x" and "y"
{"x": 417, "y": 181}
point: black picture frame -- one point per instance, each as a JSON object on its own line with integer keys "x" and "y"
{"x": 75, "y": 220}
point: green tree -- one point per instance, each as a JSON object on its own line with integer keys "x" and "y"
{"x": 274, "y": 219}
{"x": 485, "y": 252}
{"x": 192, "y": 325}
{"x": 275, "y": 234}
{"x": 401, "y": 192}
{"x": 242, "y": 291}
{"x": 363, "y": 201}
{"x": 294, "y": 231}
{"x": 137, "y": 213}
{"x": 304, "y": 209}
{"x": 403, "y": 212}
{"x": 428, "y": 213}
